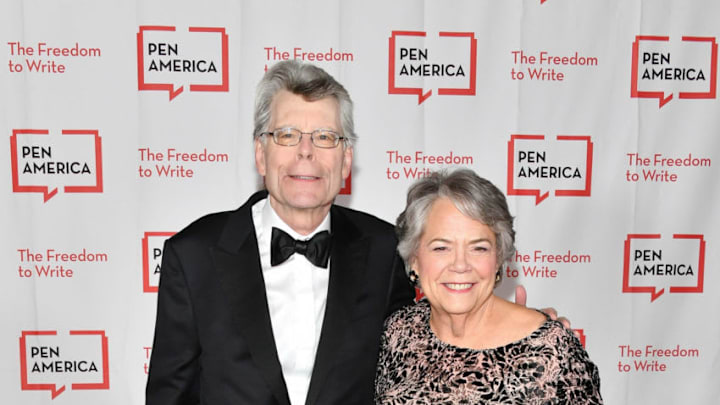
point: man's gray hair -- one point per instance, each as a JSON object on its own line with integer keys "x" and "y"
{"x": 308, "y": 81}
{"x": 473, "y": 195}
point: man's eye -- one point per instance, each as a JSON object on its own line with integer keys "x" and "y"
{"x": 439, "y": 248}
{"x": 285, "y": 135}
{"x": 326, "y": 136}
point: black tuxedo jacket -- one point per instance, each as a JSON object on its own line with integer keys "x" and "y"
{"x": 214, "y": 343}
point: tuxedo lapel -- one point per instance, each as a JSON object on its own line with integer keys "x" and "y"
{"x": 237, "y": 261}
{"x": 347, "y": 267}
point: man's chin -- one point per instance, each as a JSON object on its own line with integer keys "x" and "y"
{"x": 306, "y": 202}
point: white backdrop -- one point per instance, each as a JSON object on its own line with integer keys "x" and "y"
{"x": 600, "y": 118}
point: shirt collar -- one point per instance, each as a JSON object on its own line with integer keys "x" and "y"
{"x": 271, "y": 219}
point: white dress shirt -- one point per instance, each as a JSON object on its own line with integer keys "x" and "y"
{"x": 296, "y": 294}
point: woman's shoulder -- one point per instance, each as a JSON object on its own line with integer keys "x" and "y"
{"x": 523, "y": 315}
{"x": 561, "y": 343}
{"x": 555, "y": 334}
{"x": 515, "y": 322}
{"x": 566, "y": 345}
{"x": 409, "y": 316}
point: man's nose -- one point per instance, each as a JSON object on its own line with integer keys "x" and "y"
{"x": 305, "y": 147}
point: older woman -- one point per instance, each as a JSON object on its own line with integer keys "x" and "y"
{"x": 463, "y": 344}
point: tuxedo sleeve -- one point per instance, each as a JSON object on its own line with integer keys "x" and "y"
{"x": 401, "y": 291}
{"x": 174, "y": 363}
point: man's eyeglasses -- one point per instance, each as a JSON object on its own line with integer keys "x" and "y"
{"x": 322, "y": 138}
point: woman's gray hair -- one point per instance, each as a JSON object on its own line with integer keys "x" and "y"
{"x": 308, "y": 81}
{"x": 473, "y": 195}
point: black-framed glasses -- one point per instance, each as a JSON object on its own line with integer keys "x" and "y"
{"x": 322, "y": 138}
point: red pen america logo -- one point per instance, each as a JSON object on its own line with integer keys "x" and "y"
{"x": 538, "y": 166}
{"x": 46, "y": 162}
{"x": 174, "y": 60}
{"x": 656, "y": 263}
{"x": 55, "y": 362}
{"x": 420, "y": 62}
{"x": 663, "y": 66}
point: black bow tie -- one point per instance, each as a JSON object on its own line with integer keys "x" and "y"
{"x": 317, "y": 249}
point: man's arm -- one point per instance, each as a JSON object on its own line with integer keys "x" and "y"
{"x": 172, "y": 378}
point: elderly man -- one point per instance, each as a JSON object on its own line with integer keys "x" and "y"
{"x": 282, "y": 300}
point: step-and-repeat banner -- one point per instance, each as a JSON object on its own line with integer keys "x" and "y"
{"x": 125, "y": 121}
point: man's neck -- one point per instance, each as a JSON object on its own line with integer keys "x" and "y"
{"x": 302, "y": 221}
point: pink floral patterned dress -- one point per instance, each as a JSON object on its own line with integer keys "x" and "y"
{"x": 549, "y": 366}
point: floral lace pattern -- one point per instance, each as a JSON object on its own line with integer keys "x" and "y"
{"x": 549, "y": 366}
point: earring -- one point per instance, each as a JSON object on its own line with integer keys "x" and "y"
{"x": 498, "y": 277}
{"x": 413, "y": 276}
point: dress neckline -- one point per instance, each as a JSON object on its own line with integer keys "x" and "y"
{"x": 425, "y": 307}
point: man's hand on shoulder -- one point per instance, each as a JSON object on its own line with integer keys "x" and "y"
{"x": 521, "y": 299}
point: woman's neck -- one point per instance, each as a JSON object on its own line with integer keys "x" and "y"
{"x": 464, "y": 330}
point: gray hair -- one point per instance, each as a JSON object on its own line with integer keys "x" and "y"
{"x": 473, "y": 195}
{"x": 308, "y": 81}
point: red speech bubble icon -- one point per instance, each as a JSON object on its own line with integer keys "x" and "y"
{"x": 662, "y": 97}
{"x": 419, "y": 91}
{"x": 171, "y": 88}
{"x": 44, "y": 189}
{"x": 654, "y": 292}
{"x": 150, "y": 263}
{"x": 25, "y": 385}
{"x": 537, "y": 192}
